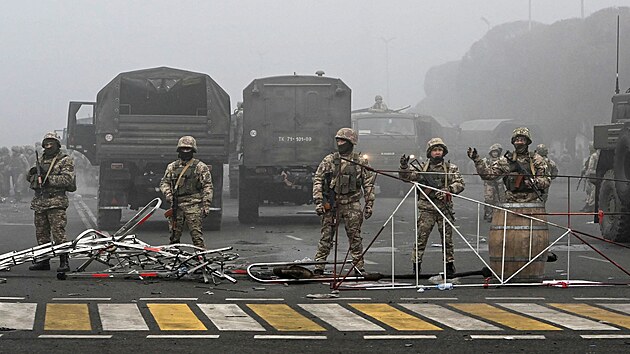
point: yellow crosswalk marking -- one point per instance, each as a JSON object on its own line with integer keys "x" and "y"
{"x": 596, "y": 313}
{"x": 283, "y": 318}
{"x": 504, "y": 317}
{"x": 175, "y": 317}
{"x": 67, "y": 317}
{"x": 395, "y": 318}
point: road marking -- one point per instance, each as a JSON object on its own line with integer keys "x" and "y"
{"x": 515, "y": 298}
{"x": 253, "y": 299}
{"x": 618, "y": 307}
{"x": 395, "y": 318}
{"x": 508, "y": 337}
{"x": 11, "y": 298}
{"x": 605, "y": 336}
{"x": 283, "y": 337}
{"x": 67, "y": 317}
{"x": 121, "y": 317}
{"x": 346, "y": 299}
{"x": 75, "y": 336}
{"x": 82, "y": 213}
{"x": 503, "y": 317}
{"x": 569, "y": 321}
{"x": 596, "y": 313}
{"x": 81, "y": 298}
{"x": 401, "y": 336}
{"x": 88, "y": 211}
{"x": 183, "y": 336}
{"x": 293, "y": 237}
{"x": 450, "y": 318}
{"x": 602, "y": 298}
{"x": 284, "y": 318}
{"x": 230, "y": 317}
{"x": 167, "y": 299}
{"x": 595, "y": 259}
{"x": 428, "y": 298}
{"x": 340, "y": 318}
{"x": 175, "y": 317}
{"x": 17, "y": 316}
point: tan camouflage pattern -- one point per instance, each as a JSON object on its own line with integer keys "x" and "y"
{"x": 552, "y": 172}
{"x": 51, "y": 135}
{"x": 192, "y": 217}
{"x": 493, "y": 190}
{"x": 496, "y": 147}
{"x": 352, "y": 216}
{"x": 501, "y": 168}
{"x": 348, "y": 134}
{"x": 50, "y": 225}
{"x": 521, "y": 131}
{"x": 61, "y": 177}
{"x": 428, "y": 217}
{"x": 433, "y": 142}
{"x": 328, "y": 166}
{"x": 590, "y": 171}
{"x": 18, "y": 166}
{"x": 187, "y": 142}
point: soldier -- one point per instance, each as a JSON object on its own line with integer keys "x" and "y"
{"x": 337, "y": 188}
{"x": 494, "y": 191}
{"x": 520, "y": 187}
{"x": 17, "y": 167}
{"x": 187, "y": 186}
{"x": 552, "y": 168}
{"x": 441, "y": 175}
{"x": 54, "y": 177}
{"x": 590, "y": 171}
{"x": 379, "y": 105}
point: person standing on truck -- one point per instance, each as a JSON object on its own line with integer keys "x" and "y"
{"x": 493, "y": 190}
{"x": 379, "y": 105}
{"x": 50, "y": 178}
{"x": 338, "y": 185}
{"x": 187, "y": 187}
{"x": 439, "y": 174}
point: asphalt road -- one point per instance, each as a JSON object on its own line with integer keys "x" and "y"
{"x": 39, "y": 312}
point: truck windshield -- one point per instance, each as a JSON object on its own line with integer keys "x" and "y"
{"x": 622, "y": 111}
{"x": 386, "y": 126}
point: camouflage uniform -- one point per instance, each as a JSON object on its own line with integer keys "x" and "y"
{"x": 494, "y": 190}
{"x": 552, "y": 168}
{"x": 379, "y": 105}
{"x": 445, "y": 175}
{"x": 18, "y": 165}
{"x": 349, "y": 182}
{"x": 517, "y": 189}
{"x": 193, "y": 194}
{"x": 590, "y": 171}
{"x": 50, "y": 201}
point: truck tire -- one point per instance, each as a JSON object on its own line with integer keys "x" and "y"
{"x": 622, "y": 165}
{"x": 108, "y": 219}
{"x": 613, "y": 227}
{"x": 247, "y": 203}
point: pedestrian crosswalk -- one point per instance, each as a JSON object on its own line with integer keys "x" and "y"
{"x": 376, "y": 320}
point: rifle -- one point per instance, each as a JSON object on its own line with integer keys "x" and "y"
{"x": 580, "y": 180}
{"x": 523, "y": 173}
{"x": 38, "y": 167}
{"x": 329, "y": 194}
{"x": 431, "y": 183}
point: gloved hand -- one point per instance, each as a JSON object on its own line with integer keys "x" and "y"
{"x": 169, "y": 199}
{"x": 443, "y": 195}
{"x": 531, "y": 183}
{"x": 472, "y": 153}
{"x": 367, "y": 211}
{"x": 319, "y": 209}
{"x": 205, "y": 211}
{"x": 404, "y": 162}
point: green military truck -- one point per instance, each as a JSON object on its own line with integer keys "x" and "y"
{"x": 131, "y": 133}
{"x": 385, "y": 135}
{"x": 289, "y": 124}
{"x": 613, "y": 196}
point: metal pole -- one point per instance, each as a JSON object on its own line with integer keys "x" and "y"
{"x": 386, "y": 41}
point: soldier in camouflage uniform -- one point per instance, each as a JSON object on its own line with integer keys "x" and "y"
{"x": 188, "y": 181}
{"x": 519, "y": 188}
{"x": 17, "y": 167}
{"x": 444, "y": 176}
{"x": 50, "y": 201}
{"x": 494, "y": 191}
{"x": 552, "y": 167}
{"x": 379, "y": 105}
{"x": 590, "y": 171}
{"x": 337, "y": 189}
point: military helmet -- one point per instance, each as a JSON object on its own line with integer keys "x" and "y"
{"x": 542, "y": 150}
{"x": 522, "y": 131}
{"x": 496, "y": 147}
{"x": 4, "y": 150}
{"x": 15, "y": 149}
{"x": 347, "y": 134}
{"x": 436, "y": 142}
{"x": 187, "y": 141}
{"x": 53, "y": 136}
{"x": 378, "y": 98}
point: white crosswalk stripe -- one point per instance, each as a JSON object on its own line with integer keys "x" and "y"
{"x": 230, "y": 317}
{"x": 450, "y": 318}
{"x": 17, "y": 316}
{"x": 121, "y": 317}
{"x": 618, "y": 307}
{"x": 560, "y": 318}
{"x": 340, "y": 318}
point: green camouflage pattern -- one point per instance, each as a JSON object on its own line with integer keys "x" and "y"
{"x": 50, "y": 225}
{"x": 352, "y": 216}
{"x": 328, "y": 166}
{"x": 493, "y": 190}
{"x": 192, "y": 217}
{"x": 348, "y": 134}
{"x": 204, "y": 195}
{"x": 53, "y": 193}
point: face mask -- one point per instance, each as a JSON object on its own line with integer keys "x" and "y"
{"x": 436, "y": 160}
{"x": 345, "y": 148}
{"x": 520, "y": 149}
{"x": 51, "y": 151}
{"x": 185, "y": 155}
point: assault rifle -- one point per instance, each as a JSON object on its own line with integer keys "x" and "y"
{"x": 38, "y": 167}
{"x": 171, "y": 213}
{"x": 329, "y": 194}
{"x": 431, "y": 183}
{"x": 523, "y": 173}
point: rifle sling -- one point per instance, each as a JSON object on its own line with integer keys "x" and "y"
{"x": 179, "y": 179}
{"x": 50, "y": 169}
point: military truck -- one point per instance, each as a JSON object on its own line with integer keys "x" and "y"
{"x": 131, "y": 133}
{"x": 289, "y": 124}
{"x": 385, "y": 135}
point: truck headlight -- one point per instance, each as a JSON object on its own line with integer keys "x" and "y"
{"x": 412, "y": 156}
{"x": 365, "y": 156}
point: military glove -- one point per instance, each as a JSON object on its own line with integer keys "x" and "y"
{"x": 319, "y": 209}
{"x": 404, "y": 162}
{"x": 472, "y": 153}
{"x": 367, "y": 211}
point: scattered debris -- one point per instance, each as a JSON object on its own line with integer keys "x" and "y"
{"x": 322, "y": 296}
{"x": 3, "y": 280}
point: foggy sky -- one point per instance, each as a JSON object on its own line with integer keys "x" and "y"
{"x": 54, "y": 52}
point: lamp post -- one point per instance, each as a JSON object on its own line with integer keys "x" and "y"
{"x": 386, "y": 41}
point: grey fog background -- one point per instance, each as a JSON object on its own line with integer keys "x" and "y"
{"x": 57, "y": 51}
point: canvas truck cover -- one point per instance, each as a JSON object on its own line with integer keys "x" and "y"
{"x": 292, "y": 120}
{"x": 147, "y": 111}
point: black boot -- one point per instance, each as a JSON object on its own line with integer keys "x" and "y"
{"x": 416, "y": 266}
{"x": 450, "y": 269}
{"x": 63, "y": 264}
{"x": 43, "y": 265}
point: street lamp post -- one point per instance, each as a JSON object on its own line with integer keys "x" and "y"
{"x": 386, "y": 41}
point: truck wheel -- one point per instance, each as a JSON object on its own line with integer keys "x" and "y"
{"x": 247, "y": 204}
{"x": 622, "y": 165}
{"x": 108, "y": 219}
{"x": 613, "y": 227}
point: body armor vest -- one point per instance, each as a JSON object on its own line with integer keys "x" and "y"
{"x": 348, "y": 180}
{"x": 515, "y": 181}
{"x": 189, "y": 183}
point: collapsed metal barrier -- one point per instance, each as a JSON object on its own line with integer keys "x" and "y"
{"x": 123, "y": 255}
